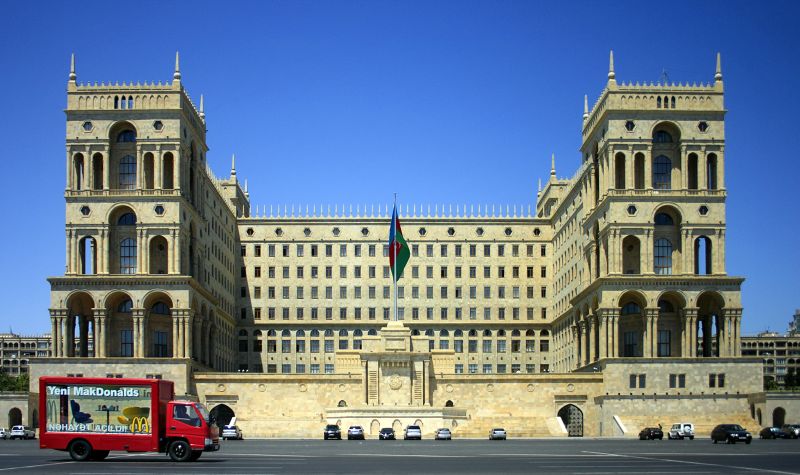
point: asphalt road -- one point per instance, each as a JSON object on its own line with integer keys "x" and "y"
{"x": 578, "y": 456}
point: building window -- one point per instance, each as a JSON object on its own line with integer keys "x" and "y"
{"x": 716, "y": 380}
{"x": 663, "y": 257}
{"x": 630, "y": 348}
{"x": 126, "y": 343}
{"x": 662, "y": 173}
{"x": 127, "y": 173}
{"x": 127, "y": 256}
{"x": 664, "y": 343}
{"x": 160, "y": 348}
{"x": 677, "y": 381}
{"x": 637, "y": 381}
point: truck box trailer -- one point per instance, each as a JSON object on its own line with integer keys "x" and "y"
{"x": 88, "y": 417}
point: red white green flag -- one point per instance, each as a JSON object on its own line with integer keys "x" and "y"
{"x": 398, "y": 247}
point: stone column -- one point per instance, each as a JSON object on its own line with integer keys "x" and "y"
{"x": 630, "y": 175}
{"x": 702, "y": 167}
{"x": 603, "y": 334}
{"x": 177, "y": 159}
{"x": 592, "y": 329}
{"x": 158, "y": 168}
{"x": 737, "y": 328}
{"x": 615, "y": 331}
{"x": 138, "y": 332}
{"x": 648, "y": 168}
{"x": 106, "y": 170}
{"x": 139, "y": 251}
{"x": 584, "y": 343}
{"x": 68, "y": 265}
{"x": 721, "y": 168}
{"x": 188, "y": 336}
{"x": 576, "y": 347}
{"x": 139, "y": 169}
{"x": 57, "y": 316}
{"x": 647, "y": 252}
{"x": 100, "y": 332}
{"x": 653, "y": 331}
{"x": 684, "y": 168}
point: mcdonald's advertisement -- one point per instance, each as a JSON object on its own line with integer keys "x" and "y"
{"x": 98, "y": 408}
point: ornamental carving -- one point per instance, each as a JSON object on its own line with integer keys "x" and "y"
{"x": 395, "y": 382}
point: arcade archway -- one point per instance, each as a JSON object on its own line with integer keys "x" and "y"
{"x": 573, "y": 420}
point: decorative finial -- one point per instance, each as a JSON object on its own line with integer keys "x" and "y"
{"x": 611, "y": 75}
{"x": 245, "y": 186}
{"x": 718, "y": 74}
{"x": 585, "y": 107}
{"x": 553, "y": 166}
{"x": 233, "y": 165}
{"x": 72, "y": 75}
{"x": 202, "y": 113}
{"x": 177, "y": 75}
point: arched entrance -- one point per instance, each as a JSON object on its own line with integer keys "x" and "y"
{"x": 222, "y": 414}
{"x": 573, "y": 420}
{"x": 778, "y": 417}
{"x": 375, "y": 427}
{"x": 14, "y": 417}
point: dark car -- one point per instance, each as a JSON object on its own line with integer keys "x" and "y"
{"x": 792, "y": 431}
{"x": 387, "y": 433}
{"x": 730, "y": 433}
{"x": 651, "y": 433}
{"x": 332, "y": 431}
{"x": 773, "y": 433}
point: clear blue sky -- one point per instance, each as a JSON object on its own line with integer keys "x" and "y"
{"x": 462, "y": 102}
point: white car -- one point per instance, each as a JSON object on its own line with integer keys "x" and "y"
{"x": 681, "y": 430}
{"x": 413, "y": 432}
{"x": 498, "y": 434}
{"x": 355, "y": 432}
{"x": 231, "y": 432}
{"x": 22, "y": 432}
{"x": 3, "y": 433}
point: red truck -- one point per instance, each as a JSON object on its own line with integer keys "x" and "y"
{"x": 88, "y": 417}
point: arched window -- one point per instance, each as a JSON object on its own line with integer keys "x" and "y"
{"x": 79, "y": 171}
{"x": 487, "y": 333}
{"x": 665, "y": 306}
{"x": 243, "y": 333}
{"x": 343, "y": 333}
{"x": 160, "y": 308}
{"x": 662, "y": 173}
{"x": 631, "y": 308}
{"x": 272, "y": 333}
{"x": 126, "y": 306}
{"x": 126, "y": 136}
{"x": 672, "y": 102}
{"x": 315, "y": 333}
{"x": 515, "y": 333}
{"x": 127, "y": 256}
{"x": 444, "y": 333}
{"x": 663, "y": 257}
{"x": 473, "y": 333}
{"x": 372, "y": 332}
{"x": 357, "y": 332}
{"x": 127, "y": 219}
{"x": 662, "y": 136}
{"x": 300, "y": 334}
{"x": 658, "y": 102}
{"x": 328, "y": 332}
{"x": 663, "y": 219}
{"x": 116, "y": 102}
{"x": 458, "y": 333}
{"x": 127, "y": 172}
{"x": 130, "y": 102}
{"x": 286, "y": 333}
{"x": 702, "y": 255}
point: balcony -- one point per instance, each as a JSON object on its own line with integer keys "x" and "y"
{"x": 100, "y": 193}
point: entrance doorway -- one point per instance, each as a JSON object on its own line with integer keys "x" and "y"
{"x": 573, "y": 420}
{"x": 222, "y": 414}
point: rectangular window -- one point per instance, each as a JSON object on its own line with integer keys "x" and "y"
{"x": 544, "y": 292}
{"x": 501, "y": 250}
{"x": 257, "y": 250}
{"x": 544, "y": 345}
{"x": 300, "y": 368}
{"x": 473, "y": 368}
{"x": 328, "y": 250}
{"x": 270, "y": 250}
{"x": 429, "y": 250}
{"x": 473, "y": 272}
{"x": 458, "y": 346}
{"x": 543, "y": 250}
{"x": 160, "y": 347}
{"x": 459, "y": 368}
{"x": 501, "y": 368}
{"x": 343, "y": 250}
{"x": 415, "y": 272}
{"x": 257, "y": 313}
{"x": 443, "y": 272}
{"x": 473, "y": 250}
{"x": 314, "y": 348}
{"x": 458, "y": 250}
{"x": 371, "y": 250}
{"x": 357, "y": 272}
{"x": 443, "y": 313}
{"x": 300, "y": 346}
{"x": 300, "y": 272}
{"x": 386, "y": 272}
{"x": 443, "y": 291}
{"x": 385, "y": 250}
{"x": 487, "y": 369}
{"x": 543, "y": 271}
{"x": 487, "y": 272}
{"x": 314, "y": 368}
{"x": 285, "y": 250}
{"x": 664, "y": 343}
{"x": 630, "y": 347}
{"x": 286, "y": 346}
{"x": 371, "y": 272}
{"x": 487, "y": 346}
{"x": 501, "y": 272}
{"x": 314, "y": 250}
{"x": 487, "y": 250}
{"x": 328, "y": 346}
{"x": 472, "y": 346}
{"x": 244, "y": 251}
{"x": 357, "y": 250}
{"x": 443, "y": 250}
{"x": 501, "y": 346}
{"x": 415, "y": 250}
{"x": 342, "y": 272}
{"x": 300, "y": 250}
{"x": 343, "y": 292}
{"x": 328, "y": 368}
{"x": 515, "y": 250}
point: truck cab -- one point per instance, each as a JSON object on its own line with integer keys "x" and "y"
{"x": 189, "y": 431}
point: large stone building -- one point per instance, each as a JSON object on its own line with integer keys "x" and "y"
{"x": 604, "y": 308}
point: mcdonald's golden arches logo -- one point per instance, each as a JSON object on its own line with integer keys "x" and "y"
{"x": 141, "y": 425}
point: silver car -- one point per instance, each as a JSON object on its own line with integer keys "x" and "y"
{"x": 443, "y": 434}
{"x": 413, "y": 432}
{"x": 498, "y": 434}
{"x": 355, "y": 432}
{"x": 231, "y": 432}
{"x": 22, "y": 432}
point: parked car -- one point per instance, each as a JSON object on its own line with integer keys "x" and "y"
{"x": 231, "y": 432}
{"x": 773, "y": 433}
{"x": 681, "y": 430}
{"x": 498, "y": 434}
{"x": 413, "y": 432}
{"x": 791, "y": 430}
{"x": 387, "y": 433}
{"x": 651, "y": 433}
{"x": 332, "y": 431}
{"x": 443, "y": 434}
{"x": 355, "y": 432}
{"x": 730, "y": 433}
{"x": 3, "y": 433}
{"x": 21, "y": 432}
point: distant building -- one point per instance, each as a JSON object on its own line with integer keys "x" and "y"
{"x": 16, "y": 351}
{"x": 794, "y": 325}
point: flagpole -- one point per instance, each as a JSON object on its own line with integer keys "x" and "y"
{"x": 394, "y": 252}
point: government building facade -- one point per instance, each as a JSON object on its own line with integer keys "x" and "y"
{"x": 602, "y": 307}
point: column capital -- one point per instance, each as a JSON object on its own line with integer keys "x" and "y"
{"x": 689, "y": 312}
{"x": 138, "y": 313}
{"x": 100, "y": 312}
{"x": 59, "y": 312}
{"x": 605, "y": 312}
{"x": 732, "y": 312}
{"x": 651, "y": 312}
{"x": 574, "y": 329}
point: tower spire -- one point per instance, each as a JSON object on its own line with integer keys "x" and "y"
{"x": 585, "y": 107}
{"x": 72, "y": 75}
{"x": 233, "y": 165}
{"x": 202, "y": 112}
{"x": 611, "y": 75}
{"x": 177, "y": 74}
{"x": 553, "y": 166}
{"x": 718, "y": 74}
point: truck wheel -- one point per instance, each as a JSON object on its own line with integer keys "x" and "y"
{"x": 79, "y": 450}
{"x": 180, "y": 451}
{"x": 195, "y": 455}
{"x": 98, "y": 455}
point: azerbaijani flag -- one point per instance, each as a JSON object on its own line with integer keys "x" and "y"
{"x": 398, "y": 247}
